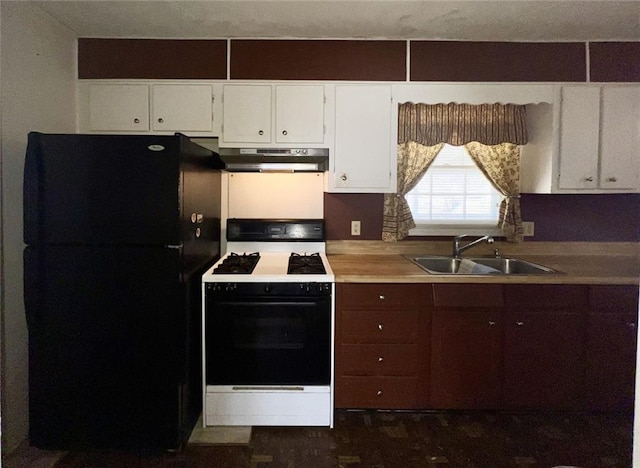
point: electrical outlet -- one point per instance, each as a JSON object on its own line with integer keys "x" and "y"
{"x": 528, "y": 228}
{"x": 355, "y": 228}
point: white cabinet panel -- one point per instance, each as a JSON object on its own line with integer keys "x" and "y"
{"x": 599, "y": 138}
{"x": 579, "y": 129}
{"x": 182, "y": 108}
{"x": 299, "y": 114}
{"x": 620, "y": 138}
{"x": 294, "y": 117}
{"x": 247, "y": 114}
{"x": 364, "y": 157}
{"x": 119, "y": 107}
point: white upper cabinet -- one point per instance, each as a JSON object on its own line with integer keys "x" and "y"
{"x": 119, "y": 107}
{"x": 182, "y": 108}
{"x": 620, "y": 138}
{"x": 599, "y": 138}
{"x": 299, "y": 114}
{"x": 125, "y": 107}
{"x": 273, "y": 114}
{"x": 364, "y": 159}
{"x": 246, "y": 114}
{"x": 579, "y": 129}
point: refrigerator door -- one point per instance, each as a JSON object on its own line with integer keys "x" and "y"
{"x": 102, "y": 189}
{"x": 110, "y": 332}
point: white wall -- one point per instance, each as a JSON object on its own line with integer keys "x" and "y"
{"x": 38, "y": 92}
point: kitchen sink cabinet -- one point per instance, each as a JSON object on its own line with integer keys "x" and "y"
{"x": 466, "y": 346}
{"x": 599, "y": 138}
{"x": 127, "y": 107}
{"x": 611, "y": 347}
{"x": 268, "y": 114}
{"x": 382, "y": 346}
{"x": 365, "y": 144}
{"x": 543, "y": 346}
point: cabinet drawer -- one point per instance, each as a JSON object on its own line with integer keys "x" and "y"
{"x": 545, "y": 295}
{"x": 467, "y": 295}
{"x": 618, "y": 299}
{"x": 383, "y": 296}
{"x": 361, "y": 326}
{"x": 378, "y": 359}
{"x": 379, "y": 392}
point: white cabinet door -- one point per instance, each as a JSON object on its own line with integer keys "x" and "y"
{"x": 246, "y": 114}
{"x": 364, "y": 154}
{"x": 579, "y": 131}
{"x": 182, "y": 107}
{"x": 620, "y": 138}
{"x": 299, "y": 114}
{"x": 119, "y": 108}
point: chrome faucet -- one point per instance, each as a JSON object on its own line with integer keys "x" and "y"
{"x": 458, "y": 249}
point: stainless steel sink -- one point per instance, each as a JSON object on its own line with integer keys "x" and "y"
{"x": 440, "y": 265}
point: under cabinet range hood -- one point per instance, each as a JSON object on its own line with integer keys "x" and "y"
{"x": 275, "y": 159}
{"x": 268, "y": 159}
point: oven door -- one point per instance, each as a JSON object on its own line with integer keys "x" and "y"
{"x": 268, "y": 340}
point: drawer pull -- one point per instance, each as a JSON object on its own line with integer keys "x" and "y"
{"x": 379, "y": 393}
{"x": 382, "y": 297}
{"x": 380, "y": 327}
{"x": 519, "y": 323}
{"x": 631, "y": 325}
{"x": 380, "y": 359}
{"x": 491, "y": 323}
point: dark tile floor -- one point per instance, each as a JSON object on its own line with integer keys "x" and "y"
{"x": 407, "y": 439}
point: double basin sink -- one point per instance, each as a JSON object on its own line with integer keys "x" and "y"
{"x": 442, "y": 265}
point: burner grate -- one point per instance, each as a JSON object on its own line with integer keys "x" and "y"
{"x": 241, "y": 264}
{"x": 306, "y": 264}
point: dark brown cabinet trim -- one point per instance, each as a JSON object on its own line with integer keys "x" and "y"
{"x": 497, "y": 61}
{"x": 179, "y": 59}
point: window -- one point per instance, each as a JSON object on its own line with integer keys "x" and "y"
{"x": 452, "y": 195}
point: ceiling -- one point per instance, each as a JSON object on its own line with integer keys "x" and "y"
{"x": 478, "y": 20}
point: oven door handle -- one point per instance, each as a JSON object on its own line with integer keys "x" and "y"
{"x": 272, "y": 389}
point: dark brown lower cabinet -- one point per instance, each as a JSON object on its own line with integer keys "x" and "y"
{"x": 466, "y": 346}
{"x": 486, "y": 346}
{"x": 543, "y": 346}
{"x": 611, "y": 347}
{"x": 382, "y": 345}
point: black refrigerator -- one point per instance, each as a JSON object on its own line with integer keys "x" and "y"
{"x": 119, "y": 229}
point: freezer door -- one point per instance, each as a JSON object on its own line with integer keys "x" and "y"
{"x": 109, "y": 348}
{"x": 102, "y": 189}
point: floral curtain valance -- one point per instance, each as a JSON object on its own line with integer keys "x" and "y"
{"x": 459, "y": 124}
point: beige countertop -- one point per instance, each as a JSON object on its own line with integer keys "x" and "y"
{"x": 575, "y": 263}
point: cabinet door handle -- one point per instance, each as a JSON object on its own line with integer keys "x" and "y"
{"x": 284, "y": 132}
{"x": 492, "y": 323}
{"x": 382, "y": 297}
{"x": 380, "y": 326}
{"x": 380, "y": 359}
{"x": 631, "y": 325}
{"x": 136, "y": 120}
{"x": 160, "y": 120}
{"x": 343, "y": 177}
{"x": 379, "y": 393}
{"x": 589, "y": 179}
{"x": 260, "y": 132}
{"x": 519, "y": 323}
{"x": 612, "y": 179}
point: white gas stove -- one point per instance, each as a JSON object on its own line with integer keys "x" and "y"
{"x": 268, "y": 323}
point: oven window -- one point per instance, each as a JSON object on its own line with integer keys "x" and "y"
{"x": 268, "y": 341}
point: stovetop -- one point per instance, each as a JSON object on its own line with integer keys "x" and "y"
{"x": 271, "y": 267}
{"x": 273, "y": 250}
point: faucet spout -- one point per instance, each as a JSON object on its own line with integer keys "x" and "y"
{"x": 458, "y": 248}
